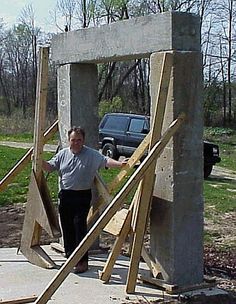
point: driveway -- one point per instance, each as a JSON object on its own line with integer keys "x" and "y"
{"x": 13, "y": 144}
{"x": 219, "y": 172}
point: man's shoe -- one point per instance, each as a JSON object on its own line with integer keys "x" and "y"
{"x": 81, "y": 267}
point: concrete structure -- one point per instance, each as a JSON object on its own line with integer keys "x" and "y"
{"x": 20, "y": 280}
{"x": 177, "y": 208}
{"x": 177, "y": 212}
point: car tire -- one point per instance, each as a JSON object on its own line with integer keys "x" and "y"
{"x": 110, "y": 151}
{"x": 207, "y": 170}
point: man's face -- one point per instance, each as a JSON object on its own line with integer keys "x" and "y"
{"x": 76, "y": 142}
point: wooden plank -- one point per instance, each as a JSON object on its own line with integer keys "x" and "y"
{"x": 104, "y": 199}
{"x": 37, "y": 213}
{"x": 39, "y": 123}
{"x": 155, "y": 268}
{"x": 21, "y": 164}
{"x": 20, "y": 300}
{"x": 40, "y": 111}
{"x": 133, "y": 160}
{"x": 115, "y": 224}
{"x": 149, "y": 178}
{"x": 139, "y": 230}
{"x": 125, "y": 230}
{"x": 159, "y": 283}
{"x": 123, "y": 233}
{"x": 116, "y": 203}
{"x": 174, "y": 289}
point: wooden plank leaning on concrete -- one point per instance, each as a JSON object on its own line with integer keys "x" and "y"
{"x": 108, "y": 213}
{"x": 39, "y": 211}
{"x": 105, "y": 274}
{"x": 144, "y": 204}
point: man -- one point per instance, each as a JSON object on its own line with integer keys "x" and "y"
{"x": 77, "y": 166}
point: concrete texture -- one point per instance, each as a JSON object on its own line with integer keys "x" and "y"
{"x": 19, "y": 279}
{"x": 128, "y": 39}
{"x": 77, "y": 101}
{"x": 177, "y": 210}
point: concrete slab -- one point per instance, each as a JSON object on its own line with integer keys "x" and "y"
{"x": 20, "y": 279}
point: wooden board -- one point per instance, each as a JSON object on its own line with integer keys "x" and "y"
{"x": 148, "y": 181}
{"x": 115, "y": 224}
{"x": 39, "y": 209}
{"x": 20, "y": 300}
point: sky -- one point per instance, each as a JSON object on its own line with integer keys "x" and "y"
{"x": 10, "y": 11}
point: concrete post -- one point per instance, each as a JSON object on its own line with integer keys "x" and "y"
{"x": 177, "y": 209}
{"x": 77, "y": 101}
{"x": 78, "y": 105}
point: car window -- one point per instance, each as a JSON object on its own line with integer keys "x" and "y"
{"x": 116, "y": 123}
{"x": 137, "y": 125}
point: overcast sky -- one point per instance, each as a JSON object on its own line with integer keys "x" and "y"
{"x": 10, "y": 10}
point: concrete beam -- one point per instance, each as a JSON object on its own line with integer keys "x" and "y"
{"x": 128, "y": 39}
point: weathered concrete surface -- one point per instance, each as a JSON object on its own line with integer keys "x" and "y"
{"x": 77, "y": 101}
{"x": 177, "y": 213}
{"x": 128, "y": 39}
{"x": 177, "y": 209}
{"x": 20, "y": 279}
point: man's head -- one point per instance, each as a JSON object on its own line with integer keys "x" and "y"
{"x": 76, "y": 137}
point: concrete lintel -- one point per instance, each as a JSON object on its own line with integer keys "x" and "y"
{"x": 128, "y": 39}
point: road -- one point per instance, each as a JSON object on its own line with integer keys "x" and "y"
{"x": 13, "y": 144}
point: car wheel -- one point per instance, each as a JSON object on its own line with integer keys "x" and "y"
{"x": 110, "y": 151}
{"x": 207, "y": 170}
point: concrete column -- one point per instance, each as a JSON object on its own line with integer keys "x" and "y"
{"x": 177, "y": 209}
{"x": 78, "y": 106}
{"x": 77, "y": 101}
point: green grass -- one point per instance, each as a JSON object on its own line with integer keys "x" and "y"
{"x": 26, "y": 137}
{"x": 16, "y": 192}
{"x": 220, "y": 196}
{"x": 219, "y": 193}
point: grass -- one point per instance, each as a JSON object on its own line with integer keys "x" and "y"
{"x": 16, "y": 192}
{"x": 219, "y": 194}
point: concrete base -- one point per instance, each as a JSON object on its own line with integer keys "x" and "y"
{"x": 20, "y": 279}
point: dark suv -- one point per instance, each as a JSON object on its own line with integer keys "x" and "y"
{"x": 121, "y": 133}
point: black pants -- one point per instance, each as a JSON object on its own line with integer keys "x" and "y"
{"x": 73, "y": 208}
